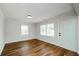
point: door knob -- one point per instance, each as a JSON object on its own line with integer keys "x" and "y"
{"x": 59, "y": 34}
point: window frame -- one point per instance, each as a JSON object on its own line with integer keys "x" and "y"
{"x": 46, "y": 29}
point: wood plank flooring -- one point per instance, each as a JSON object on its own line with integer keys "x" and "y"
{"x": 35, "y": 48}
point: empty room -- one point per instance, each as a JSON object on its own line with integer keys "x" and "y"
{"x": 39, "y": 29}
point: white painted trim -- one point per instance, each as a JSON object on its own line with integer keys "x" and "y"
{"x": 2, "y": 49}
{"x": 78, "y": 52}
{"x": 19, "y": 40}
{"x": 57, "y": 45}
{"x": 78, "y": 34}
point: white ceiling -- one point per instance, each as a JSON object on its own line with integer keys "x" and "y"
{"x": 39, "y": 11}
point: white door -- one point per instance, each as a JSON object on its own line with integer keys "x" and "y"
{"x": 67, "y": 37}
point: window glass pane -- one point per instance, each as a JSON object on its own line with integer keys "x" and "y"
{"x": 24, "y": 29}
{"x": 47, "y": 29}
{"x": 50, "y": 29}
{"x": 43, "y": 29}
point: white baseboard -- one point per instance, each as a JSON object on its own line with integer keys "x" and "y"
{"x": 2, "y": 49}
{"x": 78, "y": 52}
{"x": 19, "y": 40}
{"x": 59, "y": 45}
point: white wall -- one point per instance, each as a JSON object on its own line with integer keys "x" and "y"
{"x": 68, "y": 15}
{"x": 1, "y": 31}
{"x": 13, "y": 30}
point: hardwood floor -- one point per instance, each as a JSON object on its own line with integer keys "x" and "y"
{"x": 35, "y": 48}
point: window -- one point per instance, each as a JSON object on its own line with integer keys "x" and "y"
{"x": 24, "y": 30}
{"x": 47, "y": 29}
{"x": 43, "y": 29}
{"x": 50, "y": 29}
